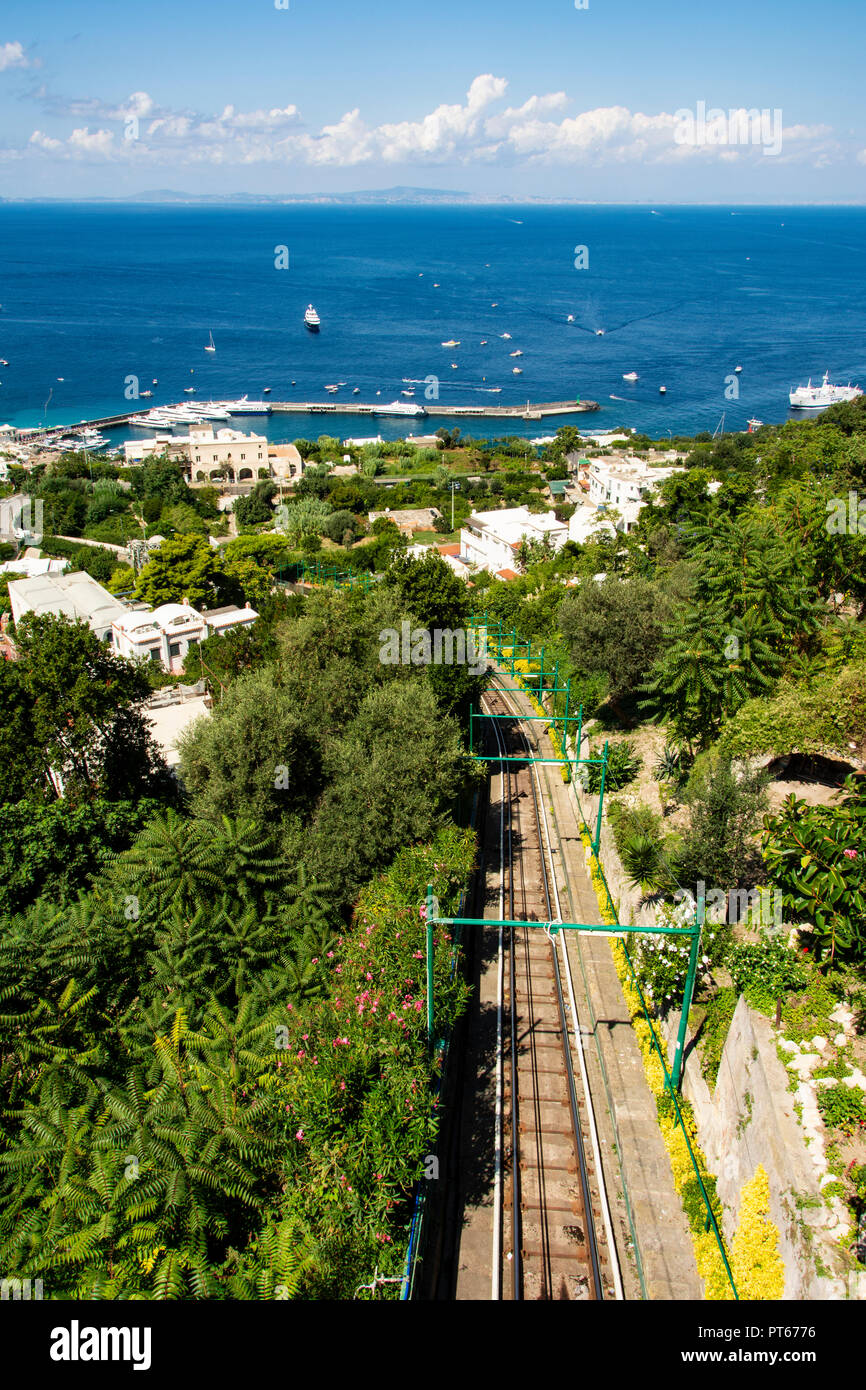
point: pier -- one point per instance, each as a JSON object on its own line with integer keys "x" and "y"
{"x": 529, "y": 411}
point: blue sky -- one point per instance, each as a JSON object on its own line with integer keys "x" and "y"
{"x": 538, "y": 98}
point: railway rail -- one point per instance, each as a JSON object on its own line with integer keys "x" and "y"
{"x": 549, "y": 1198}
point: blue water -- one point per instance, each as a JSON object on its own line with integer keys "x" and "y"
{"x": 95, "y": 294}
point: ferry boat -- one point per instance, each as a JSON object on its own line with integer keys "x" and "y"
{"x": 819, "y": 397}
{"x": 400, "y": 408}
{"x": 311, "y": 319}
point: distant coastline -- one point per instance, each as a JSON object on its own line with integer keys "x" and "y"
{"x": 395, "y": 197}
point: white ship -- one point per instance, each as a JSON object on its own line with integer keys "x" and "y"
{"x": 629, "y": 376}
{"x": 400, "y": 408}
{"x": 311, "y": 319}
{"x": 819, "y": 397}
{"x": 244, "y": 406}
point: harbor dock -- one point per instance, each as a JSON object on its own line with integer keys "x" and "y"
{"x": 528, "y": 411}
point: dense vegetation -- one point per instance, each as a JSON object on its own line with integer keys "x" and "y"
{"x": 214, "y": 1067}
{"x": 214, "y": 1073}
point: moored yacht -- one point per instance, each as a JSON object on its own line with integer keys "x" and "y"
{"x": 311, "y": 319}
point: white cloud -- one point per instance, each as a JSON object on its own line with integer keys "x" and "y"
{"x": 12, "y": 56}
{"x": 478, "y": 130}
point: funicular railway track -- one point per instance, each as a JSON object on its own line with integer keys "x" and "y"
{"x": 546, "y": 1191}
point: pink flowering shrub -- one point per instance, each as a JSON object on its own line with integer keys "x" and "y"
{"x": 366, "y": 1108}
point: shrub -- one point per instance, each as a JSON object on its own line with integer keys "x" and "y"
{"x": 623, "y": 765}
{"x": 843, "y": 1107}
{"x": 766, "y": 970}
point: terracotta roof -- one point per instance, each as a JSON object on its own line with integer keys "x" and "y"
{"x": 506, "y": 574}
{"x": 448, "y": 549}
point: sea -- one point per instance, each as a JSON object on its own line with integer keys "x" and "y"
{"x": 98, "y": 301}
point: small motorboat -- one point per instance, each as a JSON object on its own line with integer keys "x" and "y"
{"x": 452, "y": 342}
{"x": 570, "y": 318}
{"x": 190, "y": 390}
{"x": 518, "y": 371}
{"x": 484, "y": 342}
{"x": 266, "y": 390}
{"x": 146, "y": 393}
{"x": 663, "y": 390}
{"x": 518, "y": 353}
{"x": 738, "y": 369}
{"x": 505, "y": 335}
{"x": 630, "y": 376}
{"x": 454, "y": 366}
{"x": 357, "y": 391}
{"x": 599, "y": 332}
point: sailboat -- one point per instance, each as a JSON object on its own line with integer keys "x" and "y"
{"x": 209, "y": 347}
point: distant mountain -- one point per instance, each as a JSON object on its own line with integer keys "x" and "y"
{"x": 373, "y": 195}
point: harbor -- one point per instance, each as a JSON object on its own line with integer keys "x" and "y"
{"x": 528, "y": 411}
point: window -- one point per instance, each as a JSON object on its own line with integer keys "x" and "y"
{"x": 154, "y": 654}
{"x": 174, "y": 649}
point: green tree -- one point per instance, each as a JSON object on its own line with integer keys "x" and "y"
{"x": 85, "y": 705}
{"x": 182, "y": 569}
{"x": 254, "y": 754}
{"x": 429, "y": 589}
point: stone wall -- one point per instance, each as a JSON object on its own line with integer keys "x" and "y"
{"x": 748, "y": 1121}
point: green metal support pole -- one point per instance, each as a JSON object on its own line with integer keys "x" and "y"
{"x": 565, "y": 720}
{"x": 471, "y": 722}
{"x": 541, "y": 677}
{"x": 430, "y": 964}
{"x": 555, "y": 691}
{"x": 597, "y": 840}
{"x": 579, "y": 726}
{"x": 677, "y": 1070}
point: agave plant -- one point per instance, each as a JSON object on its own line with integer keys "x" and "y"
{"x": 669, "y": 767}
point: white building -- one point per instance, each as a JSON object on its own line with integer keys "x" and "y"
{"x": 165, "y": 634}
{"x": 588, "y": 523}
{"x": 76, "y": 596}
{"x": 626, "y": 485}
{"x": 33, "y": 566}
{"x": 491, "y": 540}
{"x": 137, "y": 450}
{"x": 226, "y": 452}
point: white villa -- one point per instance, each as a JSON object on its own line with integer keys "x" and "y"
{"x": 165, "y": 634}
{"x": 491, "y": 540}
{"x": 626, "y": 485}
